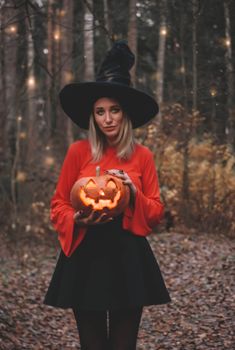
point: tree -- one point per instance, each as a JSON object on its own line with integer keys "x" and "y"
{"x": 89, "y": 69}
{"x": 107, "y": 22}
{"x": 3, "y": 85}
{"x": 161, "y": 53}
{"x": 230, "y": 78}
{"x": 31, "y": 89}
{"x": 194, "y": 42}
{"x": 66, "y": 15}
{"x": 132, "y": 36}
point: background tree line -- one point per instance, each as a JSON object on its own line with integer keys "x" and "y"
{"x": 184, "y": 57}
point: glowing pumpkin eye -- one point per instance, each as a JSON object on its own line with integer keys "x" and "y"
{"x": 91, "y": 184}
{"x": 111, "y": 184}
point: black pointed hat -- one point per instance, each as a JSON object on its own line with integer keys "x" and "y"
{"x": 113, "y": 80}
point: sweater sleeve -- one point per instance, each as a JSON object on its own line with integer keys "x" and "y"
{"x": 61, "y": 211}
{"x": 148, "y": 208}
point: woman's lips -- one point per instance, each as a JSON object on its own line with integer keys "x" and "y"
{"x": 109, "y": 128}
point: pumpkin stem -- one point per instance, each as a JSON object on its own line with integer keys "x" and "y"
{"x": 97, "y": 170}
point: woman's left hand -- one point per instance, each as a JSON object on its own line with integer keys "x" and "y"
{"x": 125, "y": 178}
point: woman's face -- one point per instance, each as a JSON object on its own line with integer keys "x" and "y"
{"x": 108, "y": 115}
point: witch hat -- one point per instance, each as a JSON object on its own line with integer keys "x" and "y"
{"x": 113, "y": 80}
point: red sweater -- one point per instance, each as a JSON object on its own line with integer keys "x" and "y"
{"x": 148, "y": 208}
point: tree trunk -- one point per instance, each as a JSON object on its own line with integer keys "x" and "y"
{"x": 230, "y": 79}
{"x": 89, "y": 71}
{"x": 31, "y": 92}
{"x": 161, "y": 55}
{"x": 107, "y": 23}
{"x": 49, "y": 84}
{"x": 26, "y": 143}
{"x": 66, "y": 53}
{"x": 58, "y": 119}
{"x": 61, "y": 122}
{"x": 3, "y": 88}
{"x": 18, "y": 126}
{"x": 183, "y": 70}
{"x": 8, "y": 86}
{"x": 132, "y": 36}
{"x": 194, "y": 35}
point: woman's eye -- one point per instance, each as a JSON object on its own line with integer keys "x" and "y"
{"x": 100, "y": 112}
{"x": 115, "y": 110}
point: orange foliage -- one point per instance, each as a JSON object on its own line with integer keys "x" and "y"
{"x": 207, "y": 200}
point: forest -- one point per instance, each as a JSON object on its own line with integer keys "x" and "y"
{"x": 185, "y": 58}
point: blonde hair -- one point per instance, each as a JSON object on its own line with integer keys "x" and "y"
{"x": 125, "y": 141}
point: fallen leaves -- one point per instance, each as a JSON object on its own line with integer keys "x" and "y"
{"x": 198, "y": 271}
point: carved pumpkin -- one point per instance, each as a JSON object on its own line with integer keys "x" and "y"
{"x": 105, "y": 194}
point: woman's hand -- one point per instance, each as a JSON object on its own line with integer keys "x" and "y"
{"x": 126, "y": 180}
{"x": 90, "y": 218}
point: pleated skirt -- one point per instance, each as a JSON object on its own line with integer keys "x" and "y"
{"x": 112, "y": 268}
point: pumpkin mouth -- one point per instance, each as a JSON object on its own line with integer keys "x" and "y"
{"x": 101, "y": 195}
{"x": 101, "y": 203}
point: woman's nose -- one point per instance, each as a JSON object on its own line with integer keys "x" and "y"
{"x": 108, "y": 117}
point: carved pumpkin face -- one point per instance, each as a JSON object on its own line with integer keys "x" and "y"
{"x": 104, "y": 193}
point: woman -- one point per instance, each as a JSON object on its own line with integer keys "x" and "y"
{"x": 106, "y": 266}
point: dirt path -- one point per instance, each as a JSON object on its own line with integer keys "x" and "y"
{"x": 199, "y": 273}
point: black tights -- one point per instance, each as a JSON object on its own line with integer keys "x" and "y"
{"x": 122, "y": 333}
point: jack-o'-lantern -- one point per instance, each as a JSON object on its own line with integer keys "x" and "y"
{"x": 104, "y": 194}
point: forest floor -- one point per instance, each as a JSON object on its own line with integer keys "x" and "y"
{"x": 198, "y": 271}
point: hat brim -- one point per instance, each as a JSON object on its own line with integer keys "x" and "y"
{"x": 77, "y": 100}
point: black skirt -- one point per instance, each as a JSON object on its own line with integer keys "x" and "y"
{"x": 110, "y": 269}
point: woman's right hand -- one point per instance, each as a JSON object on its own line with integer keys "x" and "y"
{"x": 90, "y": 218}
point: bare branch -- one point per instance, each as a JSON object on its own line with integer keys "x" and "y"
{"x": 102, "y": 26}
